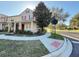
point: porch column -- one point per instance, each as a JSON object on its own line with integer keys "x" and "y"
{"x": 9, "y": 27}
{"x": 14, "y": 27}
{"x": 0, "y": 26}
{"x": 20, "y": 25}
{"x": 31, "y": 25}
{"x": 24, "y": 26}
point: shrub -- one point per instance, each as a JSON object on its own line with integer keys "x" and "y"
{"x": 2, "y": 31}
{"x": 6, "y": 29}
{"x": 40, "y": 32}
{"x": 75, "y": 28}
{"x": 70, "y": 28}
{"x": 18, "y": 32}
{"x": 28, "y": 32}
{"x": 56, "y": 36}
{"x": 24, "y": 32}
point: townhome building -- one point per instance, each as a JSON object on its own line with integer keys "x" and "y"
{"x": 24, "y": 21}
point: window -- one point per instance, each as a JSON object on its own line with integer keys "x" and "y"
{"x": 25, "y": 17}
{"x": 22, "y": 17}
{"x": 27, "y": 11}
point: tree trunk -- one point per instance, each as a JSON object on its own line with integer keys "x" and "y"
{"x": 54, "y": 28}
{"x": 42, "y": 29}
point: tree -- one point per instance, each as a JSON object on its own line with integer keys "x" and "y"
{"x": 61, "y": 27}
{"x": 75, "y": 20}
{"x": 54, "y": 22}
{"x": 59, "y": 14}
{"x": 74, "y": 23}
{"x": 42, "y": 15}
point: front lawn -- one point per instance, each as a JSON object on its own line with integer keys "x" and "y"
{"x": 30, "y": 48}
{"x": 56, "y": 36}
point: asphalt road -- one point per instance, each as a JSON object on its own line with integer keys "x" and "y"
{"x": 75, "y": 52}
{"x": 72, "y": 34}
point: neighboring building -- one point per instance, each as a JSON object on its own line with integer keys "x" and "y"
{"x": 24, "y": 21}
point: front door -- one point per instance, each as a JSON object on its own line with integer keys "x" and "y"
{"x": 22, "y": 27}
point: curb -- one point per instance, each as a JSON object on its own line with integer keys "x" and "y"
{"x": 68, "y": 50}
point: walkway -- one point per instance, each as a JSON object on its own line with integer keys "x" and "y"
{"x": 51, "y": 44}
{"x": 10, "y": 37}
{"x": 64, "y": 51}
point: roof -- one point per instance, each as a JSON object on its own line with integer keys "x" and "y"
{"x": 17, "y": 15}
{"x": 2, "y": 15}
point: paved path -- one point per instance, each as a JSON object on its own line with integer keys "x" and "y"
{"x": 3, "y": 36}
{"x": 51, "y": 44}
{"x": 64, "y": 51}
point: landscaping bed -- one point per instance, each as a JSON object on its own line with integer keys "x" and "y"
{"x": 29, "y": 48}
{"x": 26, "y": 33}
{"x": 56, "y": 36}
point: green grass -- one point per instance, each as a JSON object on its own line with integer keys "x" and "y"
{"x": 30, "y": 48}
{"x": 56, "y": 36}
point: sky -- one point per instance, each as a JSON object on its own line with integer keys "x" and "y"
{"x": 12, "y": 8}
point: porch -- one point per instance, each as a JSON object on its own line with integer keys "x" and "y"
{"x": 13, "y": 26}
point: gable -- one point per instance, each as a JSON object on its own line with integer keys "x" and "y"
{"x": 27, "y": 15}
